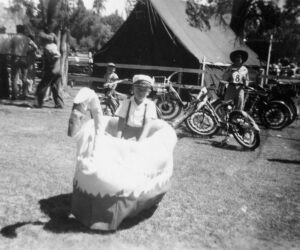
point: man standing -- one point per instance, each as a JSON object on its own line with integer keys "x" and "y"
{"x": 20, "y": 45}
{"x": 52, "y": 75}
{"x": 4, "y": 48}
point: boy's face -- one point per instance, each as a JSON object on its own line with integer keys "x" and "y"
{"x": 140, "y": 92}
{"x": 110, "y": 69}
{"x": 238, "y": 60}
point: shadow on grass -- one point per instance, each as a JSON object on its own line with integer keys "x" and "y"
{"x": 22, "y": 104}
{"x": 183, "y": 132}
{"x": 28, "y": 103}
{"x": 285, "y": 161}
{"x": 226, "y": 146}
{"x": 58, "y": 209}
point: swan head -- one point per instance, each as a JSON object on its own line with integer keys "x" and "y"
{"x": 75, "y": 120}
{"x": 86, "y": 101}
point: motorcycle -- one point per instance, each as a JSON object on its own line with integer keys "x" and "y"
{"x": 167, "y": 99}
{"x": 271, "y": 110}
{"x": 201, "y": 118}
{"x": 284, "y": 92}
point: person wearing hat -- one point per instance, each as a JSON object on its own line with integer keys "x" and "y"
{"x": 136, "y": 113}
{"x": 52, "y": 75}
{"x": 110, "y": 75}
{"x": 110, "y": 78}
{"x": 236, "y": 76}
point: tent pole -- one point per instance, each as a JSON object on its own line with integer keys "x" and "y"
{"x": 203, "y": 69}
{"x": 269, "y": 58}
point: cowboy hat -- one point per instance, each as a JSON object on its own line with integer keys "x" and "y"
{"x": 241, "y": 53}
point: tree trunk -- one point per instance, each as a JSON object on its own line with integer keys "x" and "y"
{"x": 64, "y": 57}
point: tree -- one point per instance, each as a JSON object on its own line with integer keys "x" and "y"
{"x": 55, "y": 18}
{"x": 251, "y": 18}
{"x": 246, "y": 16}
{"x": 83, "y": 18}
{"x": 129, "y": 6}
{"x": 98, "y": 5}
{"x": 114, "y": 20}
{"x": 101, "y": 34}
{"x": 289, "y": 31}
{"x": 254, "y": 20}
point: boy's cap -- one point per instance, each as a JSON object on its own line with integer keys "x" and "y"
{"x": 142, "y": 80}
{"x": 111, "y": 65}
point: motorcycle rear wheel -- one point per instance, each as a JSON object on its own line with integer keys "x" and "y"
{"x": 202, "y": 122}
{"x": 293, "y": 109}
{"x": 276, "y": 116}
{"x": 244, "y": 132}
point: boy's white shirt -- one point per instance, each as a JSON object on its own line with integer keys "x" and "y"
{"x": 136, "y": 113}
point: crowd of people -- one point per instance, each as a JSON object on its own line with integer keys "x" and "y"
{"x": 285, "y": 68}
{"x": 19, "y": 54}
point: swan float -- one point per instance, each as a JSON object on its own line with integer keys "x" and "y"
{"x": 116, "y": 178}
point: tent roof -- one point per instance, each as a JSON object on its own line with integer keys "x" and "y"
{"x": 215, "y": 43}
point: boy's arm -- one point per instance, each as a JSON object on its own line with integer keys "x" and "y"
{"x": 145, "y": 130}
{"x": 121, "y": 126}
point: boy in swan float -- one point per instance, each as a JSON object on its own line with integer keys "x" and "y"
{"x": 117, "y": 178}
{"x": 135, "y": 114}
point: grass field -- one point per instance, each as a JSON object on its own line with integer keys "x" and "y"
{"x": 220, "y": 198}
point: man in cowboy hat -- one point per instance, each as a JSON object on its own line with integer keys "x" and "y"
{"x": 236, "y": 76}
{"x": 136, "y": 113}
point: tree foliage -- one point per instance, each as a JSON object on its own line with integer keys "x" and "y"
{"x": 114, "y": 20}
{"x": 253, "y": 20}
{"x": 95, "y": 30}
{"x": 98, "y": 6}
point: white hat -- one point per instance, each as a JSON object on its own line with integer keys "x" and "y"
{"x": 111, "y": 65}
{"x": 143, "y": 80}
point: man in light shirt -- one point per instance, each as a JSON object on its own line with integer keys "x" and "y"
{"x": 52, "y": 74}
{"x": 19, "y": 46}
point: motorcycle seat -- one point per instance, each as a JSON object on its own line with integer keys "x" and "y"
{"x": 228, "y": 102}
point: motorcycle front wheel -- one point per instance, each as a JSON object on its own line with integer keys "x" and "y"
{"x": 169, "y": 108}
{"x": 244, "y": 132}
{"x": 202, "y": 122}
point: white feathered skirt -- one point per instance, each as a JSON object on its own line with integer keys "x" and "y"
{"x": 117, "y": 178}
